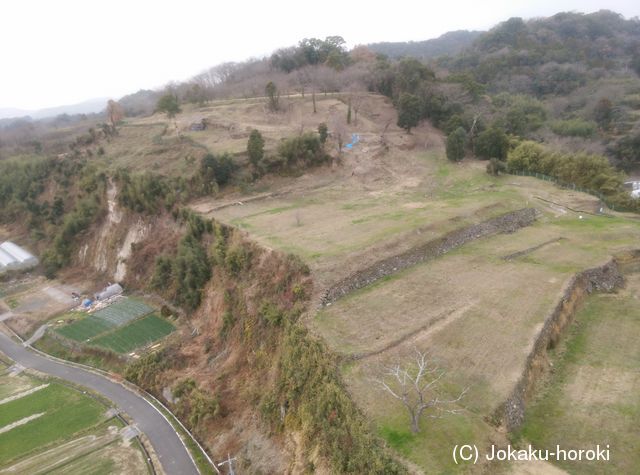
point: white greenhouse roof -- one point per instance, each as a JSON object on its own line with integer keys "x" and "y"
{"x": 13, "y": 256}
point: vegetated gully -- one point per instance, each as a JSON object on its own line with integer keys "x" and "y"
{"x": 172, "y": 453}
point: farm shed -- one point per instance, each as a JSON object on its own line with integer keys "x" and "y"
{"x": 13, "y": 257}
{"x": 110, "y": 291}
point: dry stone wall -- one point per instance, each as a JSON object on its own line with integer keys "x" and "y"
{"x": 605, "y": 278}
{"x": 505, "y": 223}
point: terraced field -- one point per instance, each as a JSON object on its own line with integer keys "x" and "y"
{"x": 476, "y": 309}
{"x": 592, "y": 396}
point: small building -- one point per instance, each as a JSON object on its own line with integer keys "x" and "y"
{"x": 110, "y": 291}
{"x": 634, "y": 187}
{"x": 13, "y": 257}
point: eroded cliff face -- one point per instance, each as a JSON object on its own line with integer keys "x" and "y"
{"x": 108, "y": 248}
{"x": 215, "y": 372}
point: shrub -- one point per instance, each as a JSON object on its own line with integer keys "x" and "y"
{"x": 574, "y": 127}
{"x": 590, "y": 172}
{"x": 303, "y": 150}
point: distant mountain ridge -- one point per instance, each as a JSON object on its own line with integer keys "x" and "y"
{"x": 450, "y": 43}
{"x": 86, "y": 107}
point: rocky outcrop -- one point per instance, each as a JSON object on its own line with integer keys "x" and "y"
{"x": 506, "y": 223}
{"x": 605, "y": 278}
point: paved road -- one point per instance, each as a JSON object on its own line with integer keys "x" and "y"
{"x": 166, "y": 443}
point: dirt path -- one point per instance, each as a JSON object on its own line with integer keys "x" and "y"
{"x": 425, "y": 330}
{"x": 21, "y": 422}
{"x": 23, "y": 394}
{"x": 39, "y": 333}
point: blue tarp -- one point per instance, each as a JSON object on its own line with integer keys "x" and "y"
{"x": 355, "y": 138}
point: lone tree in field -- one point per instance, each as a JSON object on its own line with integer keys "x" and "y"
{"x": 415, "y": 385}
{"x": 408, "y": 111}
{"x": 338, "y": 132}
{"x": 274, "y": 97}
{"x": 168, "y": 104}
{"x": 455, "y": 144}
{"x": 115, "y": 113}
{"x": 255, "y": 147}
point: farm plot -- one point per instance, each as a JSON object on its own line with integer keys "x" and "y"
{"x": 123, "y": 311}
{"x": 139, "y": 333}
{"x": 12, "y": 385}
{"x": 47, "y": 427}
{"x": 117, "y": 314}
{"x": 86, "y": 328}
{"x": 48, "y": 415}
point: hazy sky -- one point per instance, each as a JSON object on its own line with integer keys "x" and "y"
{"x": 63, "y": 51}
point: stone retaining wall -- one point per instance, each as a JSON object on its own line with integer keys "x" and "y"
{"x": 506, "y": 223}
{"x": 606, "y": 278}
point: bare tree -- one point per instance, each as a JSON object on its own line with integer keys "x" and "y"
{"x": 356, "y": 98}
{"x": 338, "y": 132}
{"x": 416, "y": 386}
{"x": 115, "y": 113}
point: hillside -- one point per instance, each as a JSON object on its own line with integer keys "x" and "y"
{"x": 450, "y": 43}
{"x": 571, "y": 80}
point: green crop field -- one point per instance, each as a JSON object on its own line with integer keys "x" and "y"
{"x": 138, "y": 333}
{"x": 123, "y": 311}
{"x": 86, "y": 328}
{"x": 116, "y": 314}
{"x": 65, "y": 412}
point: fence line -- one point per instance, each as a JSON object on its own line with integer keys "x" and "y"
{"x": 568, "y": 186}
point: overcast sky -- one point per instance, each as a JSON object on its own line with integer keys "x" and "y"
{"x": 63, "y": 51}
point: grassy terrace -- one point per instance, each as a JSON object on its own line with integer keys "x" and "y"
{"x": 592, "y": 396}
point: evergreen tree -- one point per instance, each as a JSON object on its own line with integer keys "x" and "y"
{"x": 255, "y": 147}
{"x": 408, "y": 111}
{"x": 455, "y": 144}
{"x": 492, "y": 143}
{"x": 168, "y": 104}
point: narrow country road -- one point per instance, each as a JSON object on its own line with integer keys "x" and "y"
{"x": 166, "y": 443}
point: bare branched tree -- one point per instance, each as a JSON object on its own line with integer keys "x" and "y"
{"x": 415, "y": 385}
{"x": 339, "y": 132}
{"x": 115, "y": 113}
